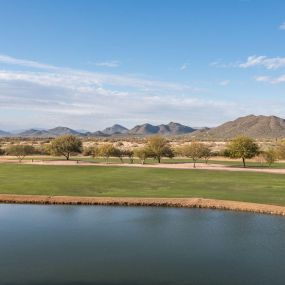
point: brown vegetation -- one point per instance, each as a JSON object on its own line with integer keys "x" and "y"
{"x": 153, "y": 202}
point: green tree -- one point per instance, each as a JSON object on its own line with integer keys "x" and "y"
{"x": 142, "y": 153}
{"x": 158, "y": 147}
{"x": 281, "y": 150}
{"x": 106, "y": 150}
{"x": 195, "y": 150}
{"x": 206, "y": 153}
{"x": 130, "y": 154}
{"x": 65, "y": 145}
{"x": 270, "y": 155}
{"x": 88, "y": 151}
{"x": 20, "y": 151}
{"x": 119, "y": 153}
{"x": 2, "y": 151}
{"x": 242, "y": 147}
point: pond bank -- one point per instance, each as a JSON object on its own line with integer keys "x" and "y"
{"x": 153, "y": 202}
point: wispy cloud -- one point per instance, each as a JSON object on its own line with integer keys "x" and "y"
{"x": 253, "y": 61}
{"x": 91, "y": 99}
{"x": 27, "y": 63}
{"x": 221, "y": 64}
{"x": 270, "y": 79}
{"x": 184, "y": 66}
{"x": 111, "y": 64}
{"x": 263, "y": 61}
{"x": 57, "y": 92}
{"x": 225, "y": 82}
{"x": 282, "y": 26}
{"x": 73, "y": 78}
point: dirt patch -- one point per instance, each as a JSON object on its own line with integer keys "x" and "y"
{"x": 153, "y": 202}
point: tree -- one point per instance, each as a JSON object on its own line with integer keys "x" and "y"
{"x": 65, "y": 145}
{"x": 2, "y": 151}
{"x": 142, "y": 153}
{"x": 195, "y": 150}
{"x": 88, "y": 151}
{"x": 21, "y": 151}
{"x": 206, "y": 153}
{"x": 158, "y": 147}
{"x": 242, "y": 147}
{"x": 117, "y": 152}
{"x": 281, "y": 150}
{"x": 270, "y": 155}
{"x": 106, "y": 150}
{"x": 130, "y": 154}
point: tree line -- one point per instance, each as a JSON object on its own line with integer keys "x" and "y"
{"x": 156, "y": 147}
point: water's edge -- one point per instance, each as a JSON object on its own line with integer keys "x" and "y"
{"x": 153, "y": 202}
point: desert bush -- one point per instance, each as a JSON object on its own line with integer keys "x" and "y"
{"x": 281, "y": 150}
{"x": 158, "y": 147}
{"x": 195, "y": 151}
{"x": 129, "y": 153}
{"x": 20, "y": 151}
{"x": 270, "y": 156}
{"x": 142, "y": 153}
{"x": 88, "y": 151}
{"x": 2, "y": 151}
{"x": 106, "y": 150}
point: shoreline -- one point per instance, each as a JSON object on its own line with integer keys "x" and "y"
{"x": 151, "y": 202}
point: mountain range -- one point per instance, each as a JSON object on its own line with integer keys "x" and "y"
{"x": 260, "y": 127}
{"x": 140, "y": 130}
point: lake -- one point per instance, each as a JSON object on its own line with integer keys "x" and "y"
{"x": 87, "y": 245}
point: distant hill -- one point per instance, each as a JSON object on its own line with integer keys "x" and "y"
{"x": 115, "y": 129}
{"x": 169, "y": 129}
{"x": 33, "y": 133}
{"x": 4, "y": 134}
{"x": 259, "y": 127}
{"x": 145, "y": 129}
{"x": 96, "y": 134}
{"x": 58, "y": 131}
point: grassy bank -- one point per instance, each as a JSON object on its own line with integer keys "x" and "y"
{"x": 142, "y": 182}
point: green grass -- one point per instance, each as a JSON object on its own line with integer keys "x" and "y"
{"x": 141, "y": 182}
{"x": 231, "y": 163}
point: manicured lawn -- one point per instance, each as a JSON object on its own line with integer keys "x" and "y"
{"x": 231, "y": 163}
{"x": 141, "y": 182}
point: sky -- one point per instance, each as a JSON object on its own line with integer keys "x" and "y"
{"x": 90, "y": 64}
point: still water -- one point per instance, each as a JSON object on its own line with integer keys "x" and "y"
{"x": 87, "y": 245}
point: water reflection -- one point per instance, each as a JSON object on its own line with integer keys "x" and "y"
{"x": 85, "y": 245}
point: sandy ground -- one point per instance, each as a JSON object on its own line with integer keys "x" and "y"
{"x": 153, "y": 202}
{"x": 202, "y": 166}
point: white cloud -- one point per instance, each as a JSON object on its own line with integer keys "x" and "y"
{"x": 282, "y": 26}
{"x": 56, "y": 95}
{"x": 263, "y": 61}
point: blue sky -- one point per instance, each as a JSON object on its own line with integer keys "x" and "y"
{"x": 90, "y": 64}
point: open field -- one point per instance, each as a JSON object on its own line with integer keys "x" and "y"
{"x": 111, "y": 181}
{"x": 252, "y": 163}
